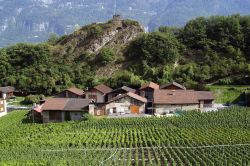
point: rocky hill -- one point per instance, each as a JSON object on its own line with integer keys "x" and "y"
{"x": 88, "y": 41}
{"x": 115, "y": 34}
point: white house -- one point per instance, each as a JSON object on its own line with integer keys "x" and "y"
{"x": 3, "y": 105}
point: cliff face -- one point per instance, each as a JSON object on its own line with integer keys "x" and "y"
{"x": 115, "y": 34}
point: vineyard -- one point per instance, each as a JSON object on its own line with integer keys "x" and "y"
{"x": 216, "y": 138}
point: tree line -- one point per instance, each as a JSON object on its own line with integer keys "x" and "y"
{"x": 205, "y": 50}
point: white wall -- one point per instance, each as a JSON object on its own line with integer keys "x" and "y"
{"x": 124, "y": 106}
{"x": 4, "y": 111}
{"x": 160, "y": 109}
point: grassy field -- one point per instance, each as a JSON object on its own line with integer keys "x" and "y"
{"x": 229, "y": 94}
{"x": 18, "y": 101}
{"x": 217, "y": 138}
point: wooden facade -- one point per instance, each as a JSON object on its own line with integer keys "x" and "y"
{"x": 95, "y": 95}
{"x": 126, "y": 105}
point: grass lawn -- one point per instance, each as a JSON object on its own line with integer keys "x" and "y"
{"x": 18, "y": 101}
{"x": 229, "y": 94}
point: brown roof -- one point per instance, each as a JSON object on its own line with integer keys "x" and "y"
{"x": 181, "y": 96}
{"x": 55, "y": 104}
{"x": 150, "y": 85}
{"x": 205, "y": 95}
{"x": 65, "y": 104}
{"x": 175, "y": 97}
{"x": 103, "y": 88}
{"x": 173, "y": 83}
{"x": 7, "y": 89}
{"x": 76, "y": 91}
{"x": 130, "y": 94}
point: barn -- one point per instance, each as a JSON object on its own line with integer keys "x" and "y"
{"x": 129, "y": 103}
{"x": 63, "y": 109}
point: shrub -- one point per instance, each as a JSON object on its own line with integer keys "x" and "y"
{"x": 130, "y": 22}
{"x": 95, "y": 30}
{"x": 32, "y": 99}
{"x": 53, "y": 38}
{"x": 107, "y": 55}
{"x": 87, "y": 117}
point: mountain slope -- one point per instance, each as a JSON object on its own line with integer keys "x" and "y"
{"x": 35, "y": 20}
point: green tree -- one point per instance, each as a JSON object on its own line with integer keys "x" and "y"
{"x": 107, "y": 55}
{"x": 155, "y": 48}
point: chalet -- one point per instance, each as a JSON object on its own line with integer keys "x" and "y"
{"x": 8, "y": 90}
{"x": 128, "y": 103}
{"x": 98, "y": 93}
{"x": 71, "y": 93}
{"x": 173, "y": 86}
{"x": 147, "y": 91}
{"x": 119, "y": 91}
{"x": 167, "y": 101}
{"x": 3, "y": 105}
{"x": 62, "y": 109}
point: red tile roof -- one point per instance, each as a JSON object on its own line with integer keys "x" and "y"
{"x": 181, "y": 96}
{"x": 76, "y": 91}
{"x": 150, "y": 85}
{"x": 55, "y": 104}
{"x": 7, "y": 89}
{"x": 173, "y": 83}
{"x": 65, "y": 104}
{"x": 103, "y": 88}
{"x": 205, "y": 95}
{"x": 130, "y": 94}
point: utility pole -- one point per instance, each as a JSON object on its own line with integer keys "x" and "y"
{"x": 33, "y": 112}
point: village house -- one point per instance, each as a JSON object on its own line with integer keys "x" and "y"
{"x": 118, "y": 91}
{"x": 71, "y": 93}
{"x": 3, "y": 105}
{"x": 169, "y": 101}
{"x": 150, "y": 98}
{"x": 8, "y": 90}
{"x": 128, "y": 103}
{"x": 147, "y": 91}
{"x": 98, "y": 93}
{"x": 63, "y": 109}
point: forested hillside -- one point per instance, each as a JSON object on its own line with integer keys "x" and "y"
{"x": 204, "y": 51}
{"x": 35, "y": 20}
